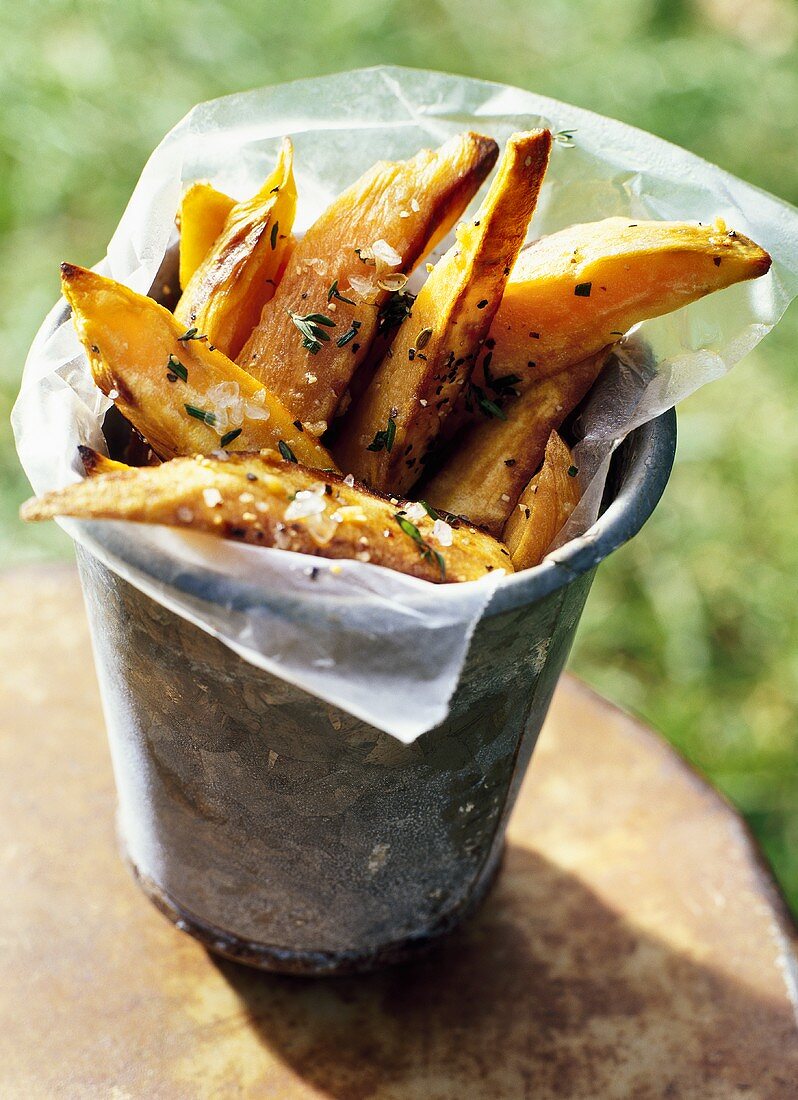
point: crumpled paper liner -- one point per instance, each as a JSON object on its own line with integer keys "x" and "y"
{"x": 386, "y": 647}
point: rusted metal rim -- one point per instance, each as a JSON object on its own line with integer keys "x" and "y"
{"x": 311, "y": 964}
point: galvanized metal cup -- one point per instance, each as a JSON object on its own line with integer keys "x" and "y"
{"x": 283, "y": 832}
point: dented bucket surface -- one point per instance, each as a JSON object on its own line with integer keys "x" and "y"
{"x": 283, "y": 832}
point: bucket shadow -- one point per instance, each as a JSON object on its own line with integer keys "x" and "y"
{"x": 546, "y": 992}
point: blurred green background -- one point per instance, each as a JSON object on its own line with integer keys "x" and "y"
{"x": 692, "y": 626}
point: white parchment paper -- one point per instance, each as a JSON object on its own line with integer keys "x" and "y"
{"x": 383, "y": 646}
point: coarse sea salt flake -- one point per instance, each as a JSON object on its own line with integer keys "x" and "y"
{"x": 381, "y": 250}
{"x": 227, "y": 405}
{"x": 255, "y": 407}
{"x": 321, "y": 528}
{"x": 442, "y": 532}
{"x": 212, "y": 497}
{"x": 415, "y": 512}
{"x": 305, "y": 504}
{"x": 364, "y": 288}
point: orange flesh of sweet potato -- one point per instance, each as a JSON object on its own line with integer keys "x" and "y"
{"x": 487, "y": 470}
{"x": 568, "y": 296}
{"x": 181, "y": 395}
{"x": 239, "y": 274}
{"x": 266, "y": 501}
{"x": 578, "y": 290}
{"x": 203, "y": 212}
{"x": 433, "y": 354}
{"x": 407, "y": 204}
{"x": 543, "y": 507}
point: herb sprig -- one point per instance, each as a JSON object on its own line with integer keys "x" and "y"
{"x": 424, "y": 548}
{"x": 475, "y": 395}
{"x": 566, "y": 138}
{"x": 313, "y": 335}
{"x": 383, "y": 440}
{"x": 350, "y": 334}
{"x": 175, "y": 368}
{"x": 334, "y": 292}
{"x": 228, "y": 437}
{"x": 208, "y": 418}
{"x": 192, "y": 334}
{"x": 396, "y": 307}
{"x": 503, "y": 386}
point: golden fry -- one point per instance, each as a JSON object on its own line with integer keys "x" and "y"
{"x": 225, "y": 295}
{"x": 266, "y": 501}
{"x": 386, "y": 436}
{"x": 544, "y": 506}
{"x": 318, "y": 328}
{"x": 203, "y": 212}
{"x": 180, "y": 394}
{"x": 576, "y": 291}
{"x": 570, "y": 295}
{"x": 489, "y": 468}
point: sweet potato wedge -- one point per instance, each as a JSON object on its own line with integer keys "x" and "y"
{"x": 203, "y": 212}
{"x": 386, "y": 435}
{"x": 575, "y": 291}
{"x": 264, "y": 500}
{"x": 182, "y": 395}
{"x": 226, "y": 293}
{"x": 318, "y": 328}
{"x": 568, "y": 296}
{"x": 488, "y": 469}
{"x": 543, "y": 507}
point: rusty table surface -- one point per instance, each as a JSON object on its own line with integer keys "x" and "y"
{"x": 633, "y": 945}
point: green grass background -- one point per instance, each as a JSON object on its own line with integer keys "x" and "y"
{"x": 693, "y": 625}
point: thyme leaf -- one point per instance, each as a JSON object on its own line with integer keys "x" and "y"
{"x": 228, "y": 437}
{"x": 313, "y": 335}
{"x": 208, "y": 418}
{"x": 383, "y": 440}
{"x": 334, "y": 292}
{"x": 174, "y": 366}
{"x": 424, "y": 548}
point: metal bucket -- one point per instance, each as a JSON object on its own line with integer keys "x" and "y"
{"x": 286, "y": 834}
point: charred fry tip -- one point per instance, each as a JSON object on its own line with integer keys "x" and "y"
{"x": 763, "y": 263}
{"x": 70, "y": 272}
{"x": 486, "y": 148}
{"x": 94, "y": 463}
{"x": 89, "y": 457}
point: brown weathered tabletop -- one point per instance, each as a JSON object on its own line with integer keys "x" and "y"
{"x": 633, "y": 945}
